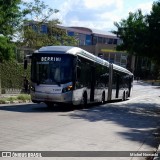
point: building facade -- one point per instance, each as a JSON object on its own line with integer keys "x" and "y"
{"x": 100, "y": 43}
{"x": 97, "y": 42}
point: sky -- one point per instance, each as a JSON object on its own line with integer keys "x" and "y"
{"x": 96, "y": 14}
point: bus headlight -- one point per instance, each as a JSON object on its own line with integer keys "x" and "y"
{"x": 66, "y": 89}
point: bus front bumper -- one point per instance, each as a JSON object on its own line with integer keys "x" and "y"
{"x": 55, "y": 98}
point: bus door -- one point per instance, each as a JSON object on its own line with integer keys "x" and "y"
{"x": 117, "y": 85}
{"x": 92, "y": 83}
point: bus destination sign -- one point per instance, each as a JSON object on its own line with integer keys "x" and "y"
{"x": 54, "y": 59}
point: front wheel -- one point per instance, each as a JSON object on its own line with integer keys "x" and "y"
{"x": 124, "y": 96}
{"x": 103, "y": 98}
{"x": 84, "y": 100}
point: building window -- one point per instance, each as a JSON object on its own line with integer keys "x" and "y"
{"x": 43, "y": 29}
{"x": 82, "y": 39}
{"x": 35, "y": 28}
{"x": 115, "y": 41}
{"x": 100, "y": 40}
{"x": 94, "y": 40}
{"x": 106, "y": 40}
{"x": 88, "y": 40}
{"x": 110, "y": 41}
{"x": 70, "y": 33}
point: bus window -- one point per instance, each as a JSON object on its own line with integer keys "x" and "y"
{"x": 54, "y": 70}
{"x": 78, "y": 73}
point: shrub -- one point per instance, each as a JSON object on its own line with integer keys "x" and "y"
{"x": 11, "y": 99}
{"x": 2, "y": 101}
{"x": 12, "y": 74}
{"x": 24, "y": 97}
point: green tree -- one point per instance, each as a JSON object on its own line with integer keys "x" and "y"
{"x": 37, "y": 14}
{"x": 153, "y": 21}
{"x": 133, "y": 32}
{"x": 141, "y": 34}
{"x": 10, "y": 15}
{"x": 58, "y": 35}
{"x": 6, "y": 49}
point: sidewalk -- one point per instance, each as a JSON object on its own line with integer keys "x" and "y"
{"x": 153, "y": 83}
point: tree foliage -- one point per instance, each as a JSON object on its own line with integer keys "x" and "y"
{"x": 141, "y": 33}
{"x": 10, "y": 15}
{"x": 132, "y": 31}
{"x": 38, "y": 14}
{"x": 38, "y": 11}
{"x": 6, "y": 49}
{"x": 55, "y": 36}
{"x": 12, "y": 74}
{"x": 153, "y": 21}
{"x": 23, "y": 21}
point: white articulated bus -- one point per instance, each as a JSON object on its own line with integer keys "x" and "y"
{"x": 70, "y": 75}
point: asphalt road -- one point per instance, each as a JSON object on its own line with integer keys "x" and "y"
{"x": 119, "y": 126}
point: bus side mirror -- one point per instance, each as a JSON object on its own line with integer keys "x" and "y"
{"x": 25, "y": 64}
{"x": 26, "y": 58}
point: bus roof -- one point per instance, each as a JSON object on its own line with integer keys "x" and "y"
{"x": 121, "y": 69}
{"x": 64, "y": 49}
{"x": 72, "y": 50}
{"x": 80, "y": 52}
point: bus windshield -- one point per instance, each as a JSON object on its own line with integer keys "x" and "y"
{"x": 52, "y": 69}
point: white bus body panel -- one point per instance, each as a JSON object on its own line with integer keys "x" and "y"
{"x": 51, "y": 93}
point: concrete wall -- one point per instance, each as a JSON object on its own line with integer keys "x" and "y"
{"x": 96, "y": 49}
{"x": 90, "y": 48}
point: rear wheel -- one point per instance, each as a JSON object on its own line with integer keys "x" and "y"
{"x": 127, "y": 94}
{"x": 124, "y": 96}
{"x": 84, "y": 100}
{"x": 103, "y": 98}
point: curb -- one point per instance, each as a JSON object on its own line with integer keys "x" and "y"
{"x": 16, "y": 102}
{"x": 13, "y": 99}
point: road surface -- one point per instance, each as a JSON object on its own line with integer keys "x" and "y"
{"x": 121, "y": 126}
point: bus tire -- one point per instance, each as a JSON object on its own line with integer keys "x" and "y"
{"x": 103, "y": 98}
{"x": 127, "y": 94}
{"x": 124, "y": 96}
{"x": 84, "y": 100}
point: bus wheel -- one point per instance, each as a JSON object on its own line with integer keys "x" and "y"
{"x": 84, "y": 100}
{"x": 127, "y": 94}
{"x": 124, "y": 96}
{"x": 103, "y": 98}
